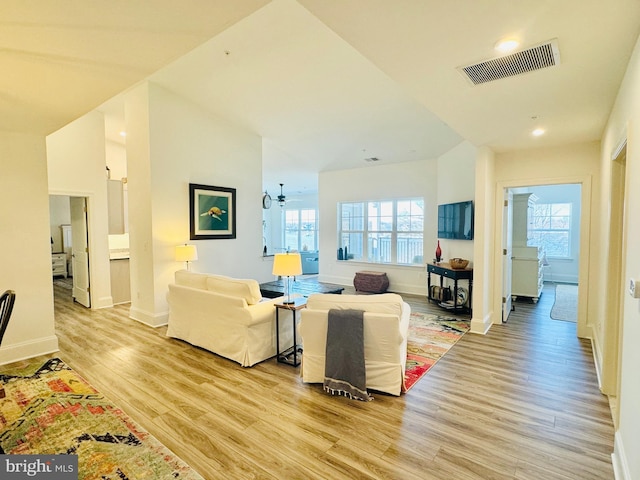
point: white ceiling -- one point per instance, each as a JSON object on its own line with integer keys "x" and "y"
{"x": 327, "y": 83}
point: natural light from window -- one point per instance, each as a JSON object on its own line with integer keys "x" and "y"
{"x": 301, "y": 229}
{"x": 389, "y": 231}
{"x": 550, "y": 229}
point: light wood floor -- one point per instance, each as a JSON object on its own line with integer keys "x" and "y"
{"x": 519, "y": 403}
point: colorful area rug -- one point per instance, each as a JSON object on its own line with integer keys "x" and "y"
{"x": 430, "y": 337}
{"x": 50, "y": 409}
{"x": 565, "y": 306}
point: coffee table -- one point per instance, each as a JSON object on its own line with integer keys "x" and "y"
{"x": 305, "y": 288}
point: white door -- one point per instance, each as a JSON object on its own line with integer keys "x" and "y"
{"x": 80, "y": 251}
{"x": 507, "y": 253}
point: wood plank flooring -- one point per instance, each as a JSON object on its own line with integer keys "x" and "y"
{"x": 521, "y": 402}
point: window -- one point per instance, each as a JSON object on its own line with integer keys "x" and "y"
{"x": 550, "y": 229}
{"x": 301, "y": 229}
{"x": 389, "y": 231}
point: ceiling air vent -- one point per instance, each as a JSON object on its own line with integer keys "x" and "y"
{"x": 372, "y": 159}
{"x": 535, "y": 58}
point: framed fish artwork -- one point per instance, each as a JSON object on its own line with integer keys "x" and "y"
{"x": 212, "y": 212}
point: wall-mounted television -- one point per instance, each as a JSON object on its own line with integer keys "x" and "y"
{"x": 455, "y": 221}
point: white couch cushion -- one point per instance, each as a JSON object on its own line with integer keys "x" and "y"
{"x": 191, "y": 279}
{"x": 384, "y": 303}
{"x": 248, "y": 289}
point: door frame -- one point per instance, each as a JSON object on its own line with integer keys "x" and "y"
{"x": 80, "y": 250}
{"x": 89, "y": 200}
{"x": 616, "y": 279}
{"x": 507, "y": 254}
{"x": 583, "y": 329}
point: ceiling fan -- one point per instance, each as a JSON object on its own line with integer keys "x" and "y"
{"x": 283, "y": 200}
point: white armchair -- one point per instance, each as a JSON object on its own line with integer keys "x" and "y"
{"x": 386, "y": 325}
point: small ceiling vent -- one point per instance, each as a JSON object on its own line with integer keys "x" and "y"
{"x": 372, "y": 159}
{"x": 534, "y": 58}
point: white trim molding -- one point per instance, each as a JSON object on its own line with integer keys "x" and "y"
{"x": 30, "y": 349}
{"x": 619, "y": 460}
{"x": 481, "y": 325}
{"x": 151, "y": 319}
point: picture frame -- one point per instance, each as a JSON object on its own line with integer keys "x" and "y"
{"x": 212, "y": 212}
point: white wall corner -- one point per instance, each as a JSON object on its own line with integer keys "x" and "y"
{"x": 481, "y": 325}
{"x": 148, "y": 318}
{"x": 30, "y": 349}
{"x": 619, "y": 460}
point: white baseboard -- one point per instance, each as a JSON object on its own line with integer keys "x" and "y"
{"x": 30, "y": 349}
{"x": 619, "y": 460}
{"x": 151, "y": 319}
{"x": 103, "y": 302}
{"x": 481, "y": 325}
{"x": 597, "y": 358}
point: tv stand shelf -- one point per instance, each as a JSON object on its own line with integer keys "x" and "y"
{"x": 444, "y": 270}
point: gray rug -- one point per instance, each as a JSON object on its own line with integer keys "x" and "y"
{"x": 66, "y": 283}
{"x": 566, "y": 304}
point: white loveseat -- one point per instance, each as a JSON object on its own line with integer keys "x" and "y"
{"x": 386, "y": 326}
{"x": 226, "y": 316}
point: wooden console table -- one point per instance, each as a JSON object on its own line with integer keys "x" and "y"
{"x": 444, "y": 270}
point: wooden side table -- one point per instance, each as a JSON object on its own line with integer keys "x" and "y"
{"x": 444, "y": 270}
{"x": 290, "y": 355}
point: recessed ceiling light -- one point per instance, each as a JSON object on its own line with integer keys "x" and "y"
{"x": 123, "y": 134}
{"x": 507, "y": 45}
{"x": 537, "y": 132}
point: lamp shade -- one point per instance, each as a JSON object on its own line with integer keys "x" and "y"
{"x": 186, "y": 253}
{"x": 287, "y": 264}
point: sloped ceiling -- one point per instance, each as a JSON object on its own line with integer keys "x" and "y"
{"x": 62, "y": 59}
{"x": 283, "y": 74}
{"x": 327, "y": 83}
{"x": 420, "y": 44}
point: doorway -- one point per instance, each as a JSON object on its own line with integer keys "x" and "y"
{"x": 546, "y": 246}
{"x": 558, "y": 250}
{"x": 69, "y": 242}
{"x": 616, "y": 276}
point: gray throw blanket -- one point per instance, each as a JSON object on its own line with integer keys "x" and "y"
{"x": 344, "y": 371}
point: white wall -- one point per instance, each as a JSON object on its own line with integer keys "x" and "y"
{"x": 484, "y": 242}
{"x": 76, "y": 161}
{"x": 379, "y": 182}
{"x": 116, "y": 159}
{"x": 171, "y": 143}
{"x": 579, "y": 163}
{"x": 447, "y": 179}
{"x": 625, "y": 122}
{"x": 456, "y": 183}
{"x": 25, "y": 247}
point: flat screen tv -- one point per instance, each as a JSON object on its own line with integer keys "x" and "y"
{"x": 455, "y": 221}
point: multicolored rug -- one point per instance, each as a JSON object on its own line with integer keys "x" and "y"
{"x": 50, "y": 409}
{"x": 430, "y": 337}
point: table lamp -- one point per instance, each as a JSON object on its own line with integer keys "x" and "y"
{"x": 287, "y": 265}
{"x": 186, "y": 253}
